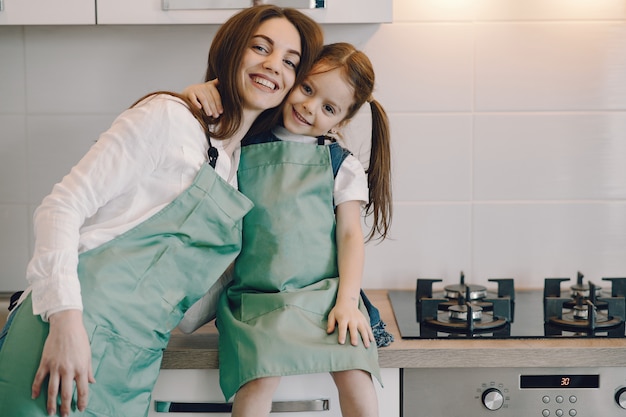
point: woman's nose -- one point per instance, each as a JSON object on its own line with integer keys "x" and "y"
{"x": 272, "y": 63}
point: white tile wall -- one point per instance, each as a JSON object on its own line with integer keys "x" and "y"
{"x": 508, "y": 121}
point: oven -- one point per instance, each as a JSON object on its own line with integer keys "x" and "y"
{"x": 562, "y": 309}
{"x": 514, "y": 392}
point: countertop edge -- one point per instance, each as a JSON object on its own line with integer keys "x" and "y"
{"x": 199, "y": 350}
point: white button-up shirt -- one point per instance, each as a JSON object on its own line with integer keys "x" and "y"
{"x": 151, "y": 153}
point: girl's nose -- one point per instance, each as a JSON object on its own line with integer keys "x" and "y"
{"x": 307, "y": 106}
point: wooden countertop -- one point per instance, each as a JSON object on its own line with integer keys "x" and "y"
{"x": 199, "y": 350}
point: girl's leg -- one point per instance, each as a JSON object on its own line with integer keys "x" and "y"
{"x": 357, "y": 395}
{"x": 255, "y": 397}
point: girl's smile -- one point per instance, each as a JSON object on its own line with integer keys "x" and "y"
{"x": 319, "y": 104}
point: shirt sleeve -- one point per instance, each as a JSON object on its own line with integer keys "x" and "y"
{"x": 123, "y": 154}
{"x": 351, "y": 182}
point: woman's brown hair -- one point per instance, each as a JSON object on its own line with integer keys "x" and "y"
{"x": 225, "y": 56}
{"x": 359, "y": 72}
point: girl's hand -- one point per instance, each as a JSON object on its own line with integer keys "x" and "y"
{"x": 346, "y": 317}
{"x": 66, "y": 358}
{"x": 206, "y": 96}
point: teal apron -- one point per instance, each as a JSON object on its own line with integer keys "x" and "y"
{"x": 135, "y": 290}
{"x": 273, "y": 318}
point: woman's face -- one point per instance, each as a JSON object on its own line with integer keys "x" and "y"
{"x": 268, "y": 67}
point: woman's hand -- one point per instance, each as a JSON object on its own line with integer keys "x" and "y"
{"x": 346, "y": 317}
{"x": 66, "y": 358}
{"x": 206, "y": 96}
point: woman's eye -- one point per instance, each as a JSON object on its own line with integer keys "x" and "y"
{"x": 260, "y": 48}
{"x": 291, "y": 64}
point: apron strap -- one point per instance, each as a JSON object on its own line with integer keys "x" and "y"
{"x": 212, "y": 153}
{"x": 14, "y": 299}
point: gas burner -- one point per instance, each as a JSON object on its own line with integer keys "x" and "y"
{"x": 470, "y": 291}
{"x": 464, "y": 312}
{"x": 581, "y": 289}
{"x": 464, "y": 309}
{"x": 585, "y": 311}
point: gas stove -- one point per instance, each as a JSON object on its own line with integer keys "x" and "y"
{"x": 464, "y": 310}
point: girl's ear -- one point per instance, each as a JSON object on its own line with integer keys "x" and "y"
{"x": 336, "y": 130}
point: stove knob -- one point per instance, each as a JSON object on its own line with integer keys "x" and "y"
{"x": 620, "y": 397}
{"x": 493, "y": 399}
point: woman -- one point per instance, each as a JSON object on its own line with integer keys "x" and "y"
{"x": 142, "y": 227}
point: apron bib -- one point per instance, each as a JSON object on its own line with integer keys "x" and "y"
{"x": 273, "y": 318}
{"x": 135, "y": 290}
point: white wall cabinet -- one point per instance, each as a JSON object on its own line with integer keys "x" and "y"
{"x": 202, "y": 385}
{"x": 139, "y": 12}
{"x": 151, "y": 12}
{"x": 47, "y": 12}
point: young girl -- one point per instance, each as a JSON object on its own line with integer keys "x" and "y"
{"x": 297, "y": 280}
{"x": 141, "y": 228}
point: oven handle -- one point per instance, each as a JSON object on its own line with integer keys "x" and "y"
{"x": 277, "y": 406}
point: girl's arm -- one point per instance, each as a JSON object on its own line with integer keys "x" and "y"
{"x": 205, "y": 96}
{"x": 345, "y": 315}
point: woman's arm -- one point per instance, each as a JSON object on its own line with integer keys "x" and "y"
{"x": 121, "y": 156}
{"x": 125, "y": 153}
{"x": 345, "y": 315}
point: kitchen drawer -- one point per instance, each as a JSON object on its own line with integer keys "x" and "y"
{"x": 47, "y": 12}
{"x": 202, "y": 385}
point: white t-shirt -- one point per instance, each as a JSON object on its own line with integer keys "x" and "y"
{"x": 151, "y": 153}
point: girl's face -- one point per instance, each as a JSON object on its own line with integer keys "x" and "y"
{"x": 319, "y": 104}
{"x": 268, "y": 67}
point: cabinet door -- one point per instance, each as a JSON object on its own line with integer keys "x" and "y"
{"x": 184, "y": 387}
{"x": 115, "y": 12}
{"x": 47, "y": 12}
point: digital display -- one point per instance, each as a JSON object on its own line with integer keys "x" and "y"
{"x": 560, "y": 381}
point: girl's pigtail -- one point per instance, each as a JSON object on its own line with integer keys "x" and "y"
{"x": 379, "y": 175}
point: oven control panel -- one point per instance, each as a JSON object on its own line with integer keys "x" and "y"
{"x": 514, "y": 392}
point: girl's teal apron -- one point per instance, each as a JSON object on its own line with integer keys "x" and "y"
{"x": 273, "y": 319}
{"x": 135, "y": 290}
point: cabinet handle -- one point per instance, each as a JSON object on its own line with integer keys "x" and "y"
{"x": 237, "y": 4}
{"x": 277, "y": 406}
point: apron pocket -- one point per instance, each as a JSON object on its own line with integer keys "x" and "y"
{"x": 315, "y": 301}
{"x": 125, "y": 375}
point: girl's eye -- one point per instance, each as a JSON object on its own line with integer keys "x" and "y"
{"x": 329, "y": 109}
{"x": 306, "y": 89}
